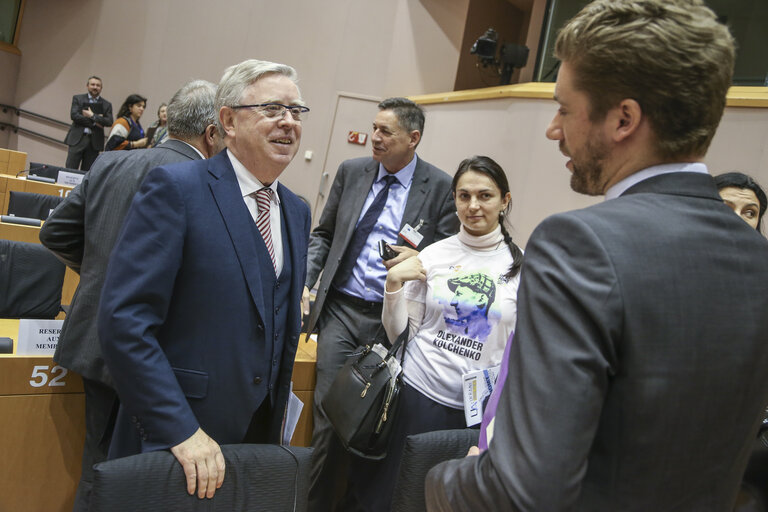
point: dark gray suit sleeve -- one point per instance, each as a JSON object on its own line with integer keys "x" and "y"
{"x": 448, "y": 221}
{"x": 560, "y": 365}
{"x": 76, "y": 113}
{"x": 63, "y": 233}
{"x": 321, "y": 237}
{"x": 105, "y": 119}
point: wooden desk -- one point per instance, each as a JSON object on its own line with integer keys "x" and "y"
{"x": 10, "y": 183}
{"x": 42, "y": 422}
{"x": 304, "y": 388}
{"x": 19, "y": 232}
{"x": 11, "y": 161}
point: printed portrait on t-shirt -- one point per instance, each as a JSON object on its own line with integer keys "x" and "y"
{"x": 467, "y": 311}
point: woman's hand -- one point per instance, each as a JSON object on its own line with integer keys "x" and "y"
{"x": 141, "y": 143}
{"x": 403, "y": 253}
{"x": 410, "y": 269}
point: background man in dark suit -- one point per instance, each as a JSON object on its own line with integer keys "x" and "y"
{"x": 637, "y": 374}
{"x": 201, "y": 309}
{"x": 90, "y": 114}
{"x": 347, "y": 309}
{"x": 82, "y": 232}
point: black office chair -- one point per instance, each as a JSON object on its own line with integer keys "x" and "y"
{"x": 30, "y": 281}
{"x": 44, "y": 170}
{"x": 753, "y": 495}
{"x": 258, "y": 477}
{"x": 31, "y": 204}
{"x": 421, "y": 453}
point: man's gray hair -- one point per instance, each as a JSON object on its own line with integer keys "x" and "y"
{"x": 191, "y": 110}
{"x": 236, "y": 78}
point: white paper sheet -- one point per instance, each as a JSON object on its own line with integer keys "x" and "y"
{"x": 295, "y": 405}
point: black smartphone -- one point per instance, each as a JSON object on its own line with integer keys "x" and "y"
{"x": 385, "y": 251}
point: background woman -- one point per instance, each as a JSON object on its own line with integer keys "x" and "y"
{"x": 744, "y": 195}
{"x": 748, "y": 201}
{"x": 161, "y": 126}
{"x": 458, "y": 298}
{"x": 127, "y": 132}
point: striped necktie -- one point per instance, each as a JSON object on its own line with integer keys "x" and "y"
{"x": 263, "y": 200}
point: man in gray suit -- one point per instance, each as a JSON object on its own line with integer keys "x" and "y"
{"x": 637, "y": 374}
{"x": 81, "y": 232}
{"x": 90, "y": 114}
{"x": 393, "y": 196}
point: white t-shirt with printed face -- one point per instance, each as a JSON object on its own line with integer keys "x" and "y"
{"x": 470, "y": 309}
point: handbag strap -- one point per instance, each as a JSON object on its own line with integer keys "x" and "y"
{"x": 402, "y": 339}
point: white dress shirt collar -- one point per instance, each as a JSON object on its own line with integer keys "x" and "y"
{"x": 248, "y": 182}
{"x": 404, "y": 176}
{"x": 248, "y": 185}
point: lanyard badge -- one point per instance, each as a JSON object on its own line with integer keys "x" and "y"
{"x": 412, "y": 235}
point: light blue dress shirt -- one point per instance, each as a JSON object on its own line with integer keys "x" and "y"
{"x": 367, "y": 279}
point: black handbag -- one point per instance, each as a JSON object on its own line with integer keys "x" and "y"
{"x": 362, "y": 401}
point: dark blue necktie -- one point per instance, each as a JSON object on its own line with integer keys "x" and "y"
{"x": 363, "y": 229}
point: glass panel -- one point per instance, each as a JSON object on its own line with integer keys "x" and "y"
{"x": 747, "y": 20}
{"x": 9, "y": 14}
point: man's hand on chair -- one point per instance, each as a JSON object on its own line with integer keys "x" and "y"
{"x": 203, "y": 463}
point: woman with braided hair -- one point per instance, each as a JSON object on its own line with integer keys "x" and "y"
{"x": 458, "y": 298}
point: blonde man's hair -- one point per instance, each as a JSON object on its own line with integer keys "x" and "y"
{"x": 672, "y": 56}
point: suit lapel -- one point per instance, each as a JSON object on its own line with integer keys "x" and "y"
{"x": 417, "y": 197}
{"x": 359, "y": 194}
{"x": 297, "y": 241}
{"x": 226, "y": 192}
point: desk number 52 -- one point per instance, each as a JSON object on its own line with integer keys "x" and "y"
{"x": 39, "y": 372}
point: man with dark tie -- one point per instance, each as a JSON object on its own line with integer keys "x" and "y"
{"x": 636, "y": 377}
{"x": 90, "y": 114}
{"x": 393, "y": 196}
{"x": 200, "y": 315}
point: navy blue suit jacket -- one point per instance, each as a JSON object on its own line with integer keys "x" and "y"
{"x": 182, "y": 322}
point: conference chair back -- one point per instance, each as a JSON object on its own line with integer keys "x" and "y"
{"x": 258, "y": 477}
{"x": 421, "y": 453}
{"x": 31, "y": 279}
{"x": 32, "y": 204}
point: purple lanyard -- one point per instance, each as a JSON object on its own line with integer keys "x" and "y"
{"x": 493, "y": 401}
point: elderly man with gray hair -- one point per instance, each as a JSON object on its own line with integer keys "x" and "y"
{"x": 82, "y": 232}
{"x": 200, "y": 316}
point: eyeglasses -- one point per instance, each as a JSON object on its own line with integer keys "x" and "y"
{"x": 277, "y": 110}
